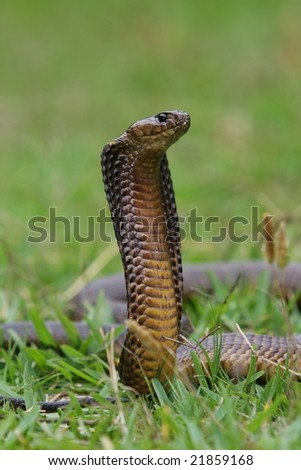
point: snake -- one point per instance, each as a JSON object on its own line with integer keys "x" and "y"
{"x": 140, "y": 195}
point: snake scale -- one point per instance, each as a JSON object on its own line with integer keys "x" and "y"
{"x": 140, "y": 195}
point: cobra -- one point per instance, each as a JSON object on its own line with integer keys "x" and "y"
{"x": 140, "y": 195}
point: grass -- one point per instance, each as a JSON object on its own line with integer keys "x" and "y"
{"x": 75, "y": 76}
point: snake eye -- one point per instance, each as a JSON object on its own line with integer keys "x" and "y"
{"x": 162, "y": 117}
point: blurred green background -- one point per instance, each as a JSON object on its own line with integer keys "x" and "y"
{"x": 76, "y": 74}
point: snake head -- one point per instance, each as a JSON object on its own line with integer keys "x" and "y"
{"x": 157, "y": 133}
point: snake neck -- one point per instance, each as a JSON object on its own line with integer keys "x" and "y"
{"x": 141, "y": 199}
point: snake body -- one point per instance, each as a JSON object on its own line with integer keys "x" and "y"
{"x": 140, "y": 194}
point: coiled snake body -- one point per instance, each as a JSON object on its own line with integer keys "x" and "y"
{"x": 142, "y": 203}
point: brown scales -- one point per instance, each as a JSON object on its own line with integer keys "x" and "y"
{"x": 139, "y": 191}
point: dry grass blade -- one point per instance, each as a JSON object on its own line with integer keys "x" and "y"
{"x": 114, "y": 380}
{"x": 282, "y": 257}
{"x": 269, "y": 242}
{"x": 90, "y": 272}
